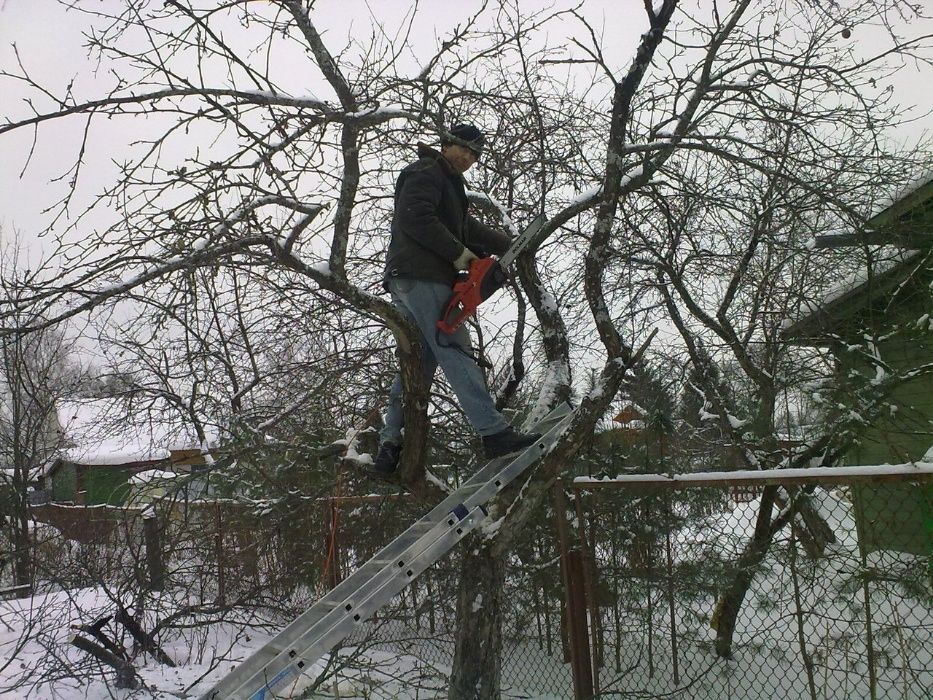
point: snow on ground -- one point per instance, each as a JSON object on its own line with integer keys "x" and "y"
{"x": 34, "y": 630}
{"x": 36, "y": 658}
{"x": 34, "y": 645}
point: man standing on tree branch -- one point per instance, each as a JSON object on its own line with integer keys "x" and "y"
{"x": 434, "y": 237}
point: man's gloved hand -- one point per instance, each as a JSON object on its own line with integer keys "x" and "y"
{"x": 463, "y": 262}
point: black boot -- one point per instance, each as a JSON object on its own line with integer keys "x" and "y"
{"x": 387, "y": 458}
{"x": 506, "y": 442}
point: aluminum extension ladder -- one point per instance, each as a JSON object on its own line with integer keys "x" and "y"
{"x": 279, "y": 665}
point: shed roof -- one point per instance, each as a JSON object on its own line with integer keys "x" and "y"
{"x": 906, "y": 223}
{"x": 102, "y": 432}
{"x": 905, "y": 220}
{"x": 851, "y": 294}
{"x": 914, "y": 199}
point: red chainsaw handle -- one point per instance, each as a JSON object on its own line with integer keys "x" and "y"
{"x": 467, "y": 296}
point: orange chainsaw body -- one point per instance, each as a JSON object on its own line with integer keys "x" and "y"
{"x": 484, "y": 278}
{"x": 477, "y": 284}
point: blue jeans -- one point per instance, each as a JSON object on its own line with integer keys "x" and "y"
{"x": 423, "y": 302}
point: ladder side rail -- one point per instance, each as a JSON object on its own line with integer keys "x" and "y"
{"x": 517, "y": 466}
{"x": 387, "y": 564}
{"x": 291, "y": 663}
{"x": 409, "y": 536}
{"x": 499, "y": 480}
{"x": 334, "y": 599}
{"x": 478, "y": 480}
{"x": 286, "y": 639}
{"x": 455, "y": 498}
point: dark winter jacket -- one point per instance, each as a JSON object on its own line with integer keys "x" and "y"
{"x": 431, "y": 224}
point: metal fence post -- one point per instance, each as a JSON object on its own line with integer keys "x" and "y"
{"x": 587, "y": 561}
{"x": 866, "y": 593}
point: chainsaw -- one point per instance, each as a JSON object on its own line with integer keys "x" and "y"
{"x": 484, "y": 278}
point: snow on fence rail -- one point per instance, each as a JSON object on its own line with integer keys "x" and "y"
{"x": 791, "y": 477}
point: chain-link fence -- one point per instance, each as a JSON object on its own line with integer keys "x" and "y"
{"x": 691, "y": 590}
{"x": 773, "y": 591}
{"x": 790, "y": 589}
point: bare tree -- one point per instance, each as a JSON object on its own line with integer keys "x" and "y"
{"x": 671, "y": 181}
{"x": 36, "y": 371}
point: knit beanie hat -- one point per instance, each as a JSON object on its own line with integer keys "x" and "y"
{"x": 466, "y": 135}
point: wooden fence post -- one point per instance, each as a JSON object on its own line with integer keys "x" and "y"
{"x": 575, "y": 605}
{"x": 154, "y": 562}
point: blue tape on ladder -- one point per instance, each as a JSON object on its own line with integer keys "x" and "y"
{"x": 460, "y": 511}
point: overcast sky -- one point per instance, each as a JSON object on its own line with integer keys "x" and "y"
{"x": 49, "y": 43}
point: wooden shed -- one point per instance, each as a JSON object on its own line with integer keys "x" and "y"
{"x": 104, "y": 446}
{"x": 892, "y": 303}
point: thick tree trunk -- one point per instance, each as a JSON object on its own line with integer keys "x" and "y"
{"x": 415, "y": 410}
{"x": 155, "y": 565}
{"x": 730, "y": 602}
{"x": 477, "y": 660}
{"x": 22, "y": 552}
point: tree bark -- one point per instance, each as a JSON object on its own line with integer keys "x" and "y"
{"x": 476, "y": 670}
{"x": 145, "y": 640}
{"x": 816, "y": 533}
{"x": 22, "y": 551}
{"x": 155, "y": 566}
{"x": 730, "y": 602}
{"x": 126, "y": 674}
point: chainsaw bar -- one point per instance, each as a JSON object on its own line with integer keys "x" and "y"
{"x": 485, "y": 277}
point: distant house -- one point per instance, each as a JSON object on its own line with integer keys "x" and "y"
{"x": 895, "y": 292}
{"x": 631, "y": 426}
{"x": 33, "y": 448}
{"x": 104, "y": 447}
